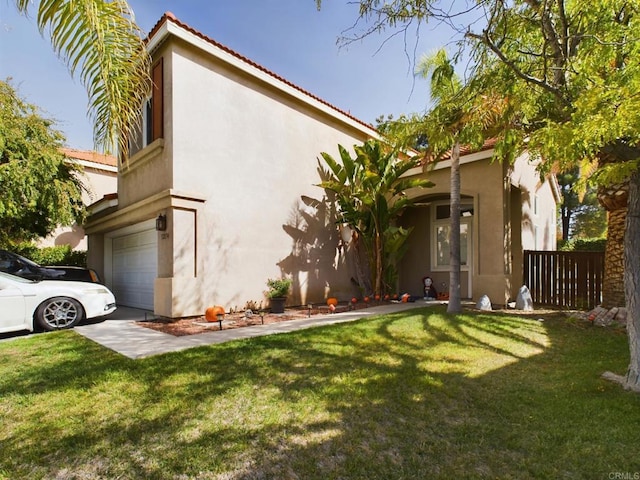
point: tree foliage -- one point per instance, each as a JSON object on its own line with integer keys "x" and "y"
{"x": 569, "y": 72}
{"x": 40, "y": 190}
{"x": 100, "y": 40}
{"x": 581, "y": 216}
{"x": 370, "y": 192}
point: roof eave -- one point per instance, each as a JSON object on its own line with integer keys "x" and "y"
{"x": 170, "y": 25}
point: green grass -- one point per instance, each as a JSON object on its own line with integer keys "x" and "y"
{"x": 413, "y": 395}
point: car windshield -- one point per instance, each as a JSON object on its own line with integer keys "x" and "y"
{"x": 16, "y": 278}
{"x": 31, "y": 263}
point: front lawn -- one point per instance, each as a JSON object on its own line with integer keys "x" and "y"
{"x": 413, "y": 395}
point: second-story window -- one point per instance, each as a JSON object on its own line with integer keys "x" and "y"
{"x": 151, "y": 125}
{"x": 147, "y": 122}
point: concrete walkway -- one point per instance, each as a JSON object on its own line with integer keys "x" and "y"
{"x": 119, "y": 332}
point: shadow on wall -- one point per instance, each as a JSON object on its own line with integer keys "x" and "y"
{"x": 71, "y": 238}
{"x": 319, "y": 260}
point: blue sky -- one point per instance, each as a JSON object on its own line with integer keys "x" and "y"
{"x": 290, "y": 37}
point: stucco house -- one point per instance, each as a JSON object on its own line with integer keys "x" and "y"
{"x": 219, "y": 194}
{"x": 505, "y": 209}
{"x": 99, "y": 177}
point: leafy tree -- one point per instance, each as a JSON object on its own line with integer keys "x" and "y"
{"x": 581, "y": 216}
{"x": 370, "y": 194}
{"x": 101, "y": 40}
{"x": 570, "y": 71}
{"x": 40, "y": 190}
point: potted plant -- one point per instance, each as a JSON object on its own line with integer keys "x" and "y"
{"x": 277, "y": 293}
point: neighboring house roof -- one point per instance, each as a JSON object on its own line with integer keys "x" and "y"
{"x": 169, "y": 17}
{"x": 91, "y": 157}
{"x": 108, "y": 202}
{"x": 466, "y": 150}
{"x": 488, "y": 144}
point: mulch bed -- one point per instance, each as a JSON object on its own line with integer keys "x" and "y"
{"x": 196, "y": 325}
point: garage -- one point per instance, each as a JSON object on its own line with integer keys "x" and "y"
{"x": 134, "y": 268}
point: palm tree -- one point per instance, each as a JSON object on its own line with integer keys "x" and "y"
{"x": 100, "y": 40}
{"x": 447, "y": 125}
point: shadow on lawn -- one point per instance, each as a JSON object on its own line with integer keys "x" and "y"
{"x": 422, "y": 395}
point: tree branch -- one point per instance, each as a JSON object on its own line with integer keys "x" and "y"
{"x": 485, "y": 39}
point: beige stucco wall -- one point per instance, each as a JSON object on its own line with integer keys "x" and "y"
{"x": 482, "y": 183}
{"x": 537, "y": 218}
{"x": 98, "y": 181}
{"x": 252, "y": 153}
{"x": 538, "y": 206}
{"x": 150, "y": 171}
{"x": 510, "y": 205}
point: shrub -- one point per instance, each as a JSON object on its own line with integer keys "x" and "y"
{"x": 58, "y": 255}
{"x": 278, "y": 287}
{"x": 583, "y": 245}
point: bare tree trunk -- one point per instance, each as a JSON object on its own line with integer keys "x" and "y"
{"x": 632, "y": 280}
{"x": 455, "y": 304}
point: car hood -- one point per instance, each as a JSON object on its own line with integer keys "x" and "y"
{"x": 73, "y": 285}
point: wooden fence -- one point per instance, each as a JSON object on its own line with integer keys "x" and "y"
{"x": 564, "y": 279}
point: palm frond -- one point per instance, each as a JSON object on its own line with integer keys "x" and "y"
{"x": 100, "y": 39}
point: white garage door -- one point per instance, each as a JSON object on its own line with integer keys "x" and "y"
{"x": 135, "y": 268}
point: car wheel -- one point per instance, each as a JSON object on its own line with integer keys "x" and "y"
{"x": 59, "y": 312}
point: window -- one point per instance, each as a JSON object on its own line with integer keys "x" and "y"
{"x": 151, "y": 126}
{"x": 442, "y": 244}
{"x": 440, "y": 233}
{"x": 147, "y": 122}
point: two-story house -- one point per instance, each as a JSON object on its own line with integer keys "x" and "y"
{"x": 219, "y": 194}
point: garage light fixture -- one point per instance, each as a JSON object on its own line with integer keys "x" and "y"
{"x": 161, "y": 223}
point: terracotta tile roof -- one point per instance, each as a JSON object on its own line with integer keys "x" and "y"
{"x": 170, "y": 17}
{"x": 90, "y": 156}
{"x": 466, "y": 150}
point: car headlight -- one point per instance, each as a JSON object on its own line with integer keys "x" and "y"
{"x": 96, "y": 291}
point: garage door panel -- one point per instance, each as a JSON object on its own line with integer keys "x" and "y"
{"x": 135, "y": 268}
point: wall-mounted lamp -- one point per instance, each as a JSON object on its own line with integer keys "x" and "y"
{"x": 161, "y": 223}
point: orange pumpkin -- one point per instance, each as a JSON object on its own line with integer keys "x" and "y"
{"x": 387, "y": 297}
{"x": 212, "y": 313}
{"x": 377, "y": 297}
{"x": 332, "y": 301}
{"x": 354, "y": 300}
{"x": 366, "y": 299}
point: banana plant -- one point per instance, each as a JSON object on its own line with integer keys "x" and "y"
{"x": 370, "y": 193}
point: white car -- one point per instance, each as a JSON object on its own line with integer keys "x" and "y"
{"x": 51, "y": 305}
